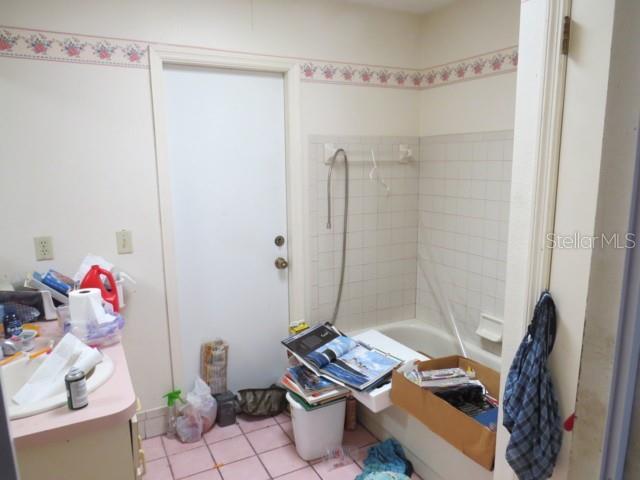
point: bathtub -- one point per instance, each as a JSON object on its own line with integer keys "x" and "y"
{"x": 432, "y": 342}
{"x": 432, "y": 457}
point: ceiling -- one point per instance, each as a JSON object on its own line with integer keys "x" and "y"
{"x": 411, "y": 6}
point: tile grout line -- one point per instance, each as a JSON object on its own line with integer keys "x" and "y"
{"x": 308, "y": 464}
{"x": 291, "y": 442}
{"x": 215, "y": 462}
{"x": 167, "y": 457}
{"x": 256, "y": 453}
{"x": 243, "y": 434}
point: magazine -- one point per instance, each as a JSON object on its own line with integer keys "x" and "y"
{"x": 308, "y": 381}
{"x": 315, "y": 390}
{"x": 327, "y": 352}
{"x": 444, "y": 378}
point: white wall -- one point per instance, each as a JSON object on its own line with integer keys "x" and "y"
{"x": 78, "y": 139}
{"x": 464, "y": 29}
{"x": 95, "y": 121}
{"x": 78, "y": 164}
{"x": 482, "y": 105}
{"x": 353, "y": 110}
{"x": 329, "y": 29}
{"x": 607, "y": 264}
{"x": 577, "y": 194}
{"x": 467, "y": 28}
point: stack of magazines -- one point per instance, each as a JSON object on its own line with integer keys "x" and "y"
{"x": 461, "y": 390}
{"x": 342, "y": 360}
{"x": 314, "y": 390}
{"x": 439, "y": 379}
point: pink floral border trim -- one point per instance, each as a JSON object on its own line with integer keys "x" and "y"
{"x": 72, "y": 48}
{"x": 57, "y": 46}
{"x": 492, "y": 63}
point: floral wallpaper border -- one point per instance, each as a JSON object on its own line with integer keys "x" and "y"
{"x": 67, "y": 47}
{"x": 61, "y": 47}
{"x": 492, "y": 63}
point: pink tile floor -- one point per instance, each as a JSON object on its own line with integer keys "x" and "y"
{"x": 250, "y": 450}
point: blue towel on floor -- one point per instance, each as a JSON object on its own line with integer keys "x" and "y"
{"x": 386, "y": 476}
{"x": 386, "y": 461}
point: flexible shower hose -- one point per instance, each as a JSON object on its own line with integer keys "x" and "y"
{"x": 344, "y": 227}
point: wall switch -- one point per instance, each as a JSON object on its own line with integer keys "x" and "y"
{"x": 43, "y": 247}
{"x": 124, "y": 241}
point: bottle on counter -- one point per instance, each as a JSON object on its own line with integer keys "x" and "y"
{"x": 11, "y": 323}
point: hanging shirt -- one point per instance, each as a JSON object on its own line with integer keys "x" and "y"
{"x": 530, "y": 407}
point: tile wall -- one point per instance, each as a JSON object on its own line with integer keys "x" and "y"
{"x": 380, "y": 278}
{"x": 451, "y": 204}
{"x": 464, "y": 193}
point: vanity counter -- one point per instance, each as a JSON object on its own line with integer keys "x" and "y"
{"x": 112, "y": 403}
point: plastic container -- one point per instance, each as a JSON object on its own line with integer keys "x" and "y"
{"x": 172, "y": 410}
{"x": 11, "y": 322}
{"x": 95, "y": 279}
{"x": 226, "y": 408}
{"x": 319, "y": 430}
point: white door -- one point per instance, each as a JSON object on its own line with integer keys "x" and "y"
{"x": 226, "y": 138}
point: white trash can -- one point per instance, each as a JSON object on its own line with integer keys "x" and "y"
{"x": 317, "y": 430}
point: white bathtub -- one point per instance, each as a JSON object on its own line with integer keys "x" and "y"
{"x": 432, "y": 342}
{"x": 432, "y": 457}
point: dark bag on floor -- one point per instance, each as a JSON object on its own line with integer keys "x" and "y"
{"x": 261, "y": 402}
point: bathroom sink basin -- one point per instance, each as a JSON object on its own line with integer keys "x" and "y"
{"x": 15, "y": 375}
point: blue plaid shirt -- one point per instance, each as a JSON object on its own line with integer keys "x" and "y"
{"x": 530, "y": 406}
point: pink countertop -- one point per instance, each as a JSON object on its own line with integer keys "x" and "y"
{"x": 110, "y": 404}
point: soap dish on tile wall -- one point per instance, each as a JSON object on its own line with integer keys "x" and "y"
{"x": 490, "y": 328}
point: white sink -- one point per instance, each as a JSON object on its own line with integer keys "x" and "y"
{"x": 15, "y": 374}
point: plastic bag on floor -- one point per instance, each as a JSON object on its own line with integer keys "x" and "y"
{"x": 205, "y": 405}
{"x": 189, "y": 424}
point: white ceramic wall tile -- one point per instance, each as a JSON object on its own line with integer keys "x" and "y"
{"x": 382, "y": 233}
{"x": 453, "y": 201}
{"x": 463, "y": 210}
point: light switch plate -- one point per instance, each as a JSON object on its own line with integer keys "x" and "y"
{"x": 124, "y": 241}
{"x": 43, "y": 248}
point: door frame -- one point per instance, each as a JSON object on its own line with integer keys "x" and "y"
{"x": 536, "y": 156}
{"x": 294, "y": 167}
{"x": 627, "y": 352}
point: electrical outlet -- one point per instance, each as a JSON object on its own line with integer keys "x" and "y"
{"x": 124, "y": 241}
{"x": 43, "y": 247}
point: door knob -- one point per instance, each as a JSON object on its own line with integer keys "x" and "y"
{"x": 281, "y": 263}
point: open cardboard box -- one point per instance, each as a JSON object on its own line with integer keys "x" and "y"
{"x": 463, "y": 432}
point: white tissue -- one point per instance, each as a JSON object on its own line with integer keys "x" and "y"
{"x": 48, "y": 379}
{"x": 85, "y": 308}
